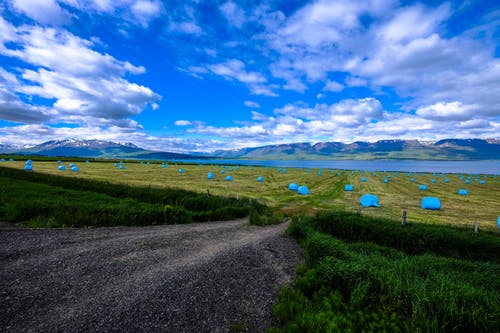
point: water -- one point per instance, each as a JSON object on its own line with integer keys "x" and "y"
{"x": 460, "y": 167}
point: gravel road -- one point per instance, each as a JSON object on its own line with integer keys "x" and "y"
{"x": 206, "y": 277}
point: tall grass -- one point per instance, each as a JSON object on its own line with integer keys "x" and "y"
{"x": 45, "y": 200}
{"x": 363, "y": 286}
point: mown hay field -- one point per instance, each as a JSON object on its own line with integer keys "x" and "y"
{"x": 481, "y": 206}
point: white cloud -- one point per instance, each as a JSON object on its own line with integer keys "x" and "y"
{"x": 182, "y": 123}
{"x": 88, "y": 87}
{"x": 413, "y": 22}
{"x": 333, "y": 86}
{"x": 233, "y": 14}
{"x": 251, "y": 104}
{"x": 45, "y": 12}
{"x": 352, "y": 81}
{"x": 145, "y": 11}
{"x": 447, "y": 111}
{"x": 186, "y": 27}
{"x": 234, "y": 69}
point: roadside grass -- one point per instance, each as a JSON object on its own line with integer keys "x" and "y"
{"x": 41, "y": 200}
{"x": 480, "y": 207}
{"x": 348, "y": 285}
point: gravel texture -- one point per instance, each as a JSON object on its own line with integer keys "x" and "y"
{"x": 206, "y": 277}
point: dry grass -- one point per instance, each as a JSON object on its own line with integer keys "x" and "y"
{"x": 481, "y": 206}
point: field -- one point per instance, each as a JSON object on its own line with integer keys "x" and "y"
{"x": 481, "y": 206}
{"x": 364, "y": 271}
{"x": 367, "y": 274}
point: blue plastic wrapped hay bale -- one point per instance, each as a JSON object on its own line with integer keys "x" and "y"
{"x": 229, "y": 178}
{"x": 71, "y": 165}
{"x": 210, "y": 175}
{"x": 433, "y": 180}
{"x": 223, "y": 171}
{"x": 260, "y": 179}
{"x": 75, "y": 169}
{"x": 482, "y": 182}
{"x": 62, "y": 168}
{"x": 363, "y": 180}
{"x": 29, "y": 162}
{"x": 293, "y": 186}
{"x": 28, "y": 167}
{"x": 498, "y": 222}
{"x": 463, "y": 192}
{"x": 412, "y": 180}
{"x": 422, "y": 187}
{"x": 2, "y": 160}
{"x": 369, "y": 200}
{"x": 122, "y": 167}
{"x": 320, "y": 173}
{"x": 467, "y": 181}
{"x": 181, "y": 170}
{"x": 116, "y": 165}
{"x": 348, "y": 188}
{"x": 446, "y": 180}
{"x": 284, "y": 170}
{"x": 11, "y": 160}
{"x": 386, "y": 180}
{"x": 303, "y": 190}
{"x": 59, "y": 162}
{"x": 432, "y": 203}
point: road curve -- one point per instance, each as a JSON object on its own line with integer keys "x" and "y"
{"x": 206, "y": 277}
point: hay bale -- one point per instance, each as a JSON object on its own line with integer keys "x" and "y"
{"x": 369, "y": 200}
{"x": 303, "y": 190}
{"x": 431, "y": 203}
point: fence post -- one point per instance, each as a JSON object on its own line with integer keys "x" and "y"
{"x": 403, "y": 217}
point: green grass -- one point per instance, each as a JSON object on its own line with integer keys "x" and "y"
{"x": 365, "y": 272}
{"x": 39, "y": 200}
{"x": 371, "y": 287}
{"x": 326, "y": 191}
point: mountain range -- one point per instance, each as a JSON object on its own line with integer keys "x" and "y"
{"x": 93, "y": 149}
{"x": 448, "y": 149}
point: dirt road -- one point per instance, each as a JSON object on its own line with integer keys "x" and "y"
{"x": 207, "y": 277}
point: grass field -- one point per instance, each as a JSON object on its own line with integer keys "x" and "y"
{"x": 481, "y": 206}
{"x": 365, "y": 272}
{"x": 394, "y": 279}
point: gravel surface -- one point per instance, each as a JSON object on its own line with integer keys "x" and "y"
{"x": 206, "y": 277}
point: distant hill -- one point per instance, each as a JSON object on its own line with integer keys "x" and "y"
{"x": 95, "y": 149}
{"x": 449, "y": 149}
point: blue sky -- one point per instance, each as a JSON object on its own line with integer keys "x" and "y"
{"x": 204, "y": 75}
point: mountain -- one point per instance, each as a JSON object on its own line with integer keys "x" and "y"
{"x": 97, "y": 149}
{"x": 449, "y": 149}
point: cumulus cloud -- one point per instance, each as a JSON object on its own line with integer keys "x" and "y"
{"x": 45, "y": 12}
{"x": 50, "y": 12}
{"x": 182, "y": 123}
{"x": 84, "y": 84}
{"x": 251, "y": 104}
{"x": 234, "y": 69}
{"x": 333, "y": 86}
{"x": 233, "y": 14}
{"x": 447, "y": 111}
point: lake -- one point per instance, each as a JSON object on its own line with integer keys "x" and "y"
{"x": 462, "y": 167}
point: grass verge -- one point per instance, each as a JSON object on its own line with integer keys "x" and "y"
{"x": 41, "y": 200}
{"x": 368, "y": 284}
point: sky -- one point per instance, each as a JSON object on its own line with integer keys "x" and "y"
{"x": 193, "y": 76}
